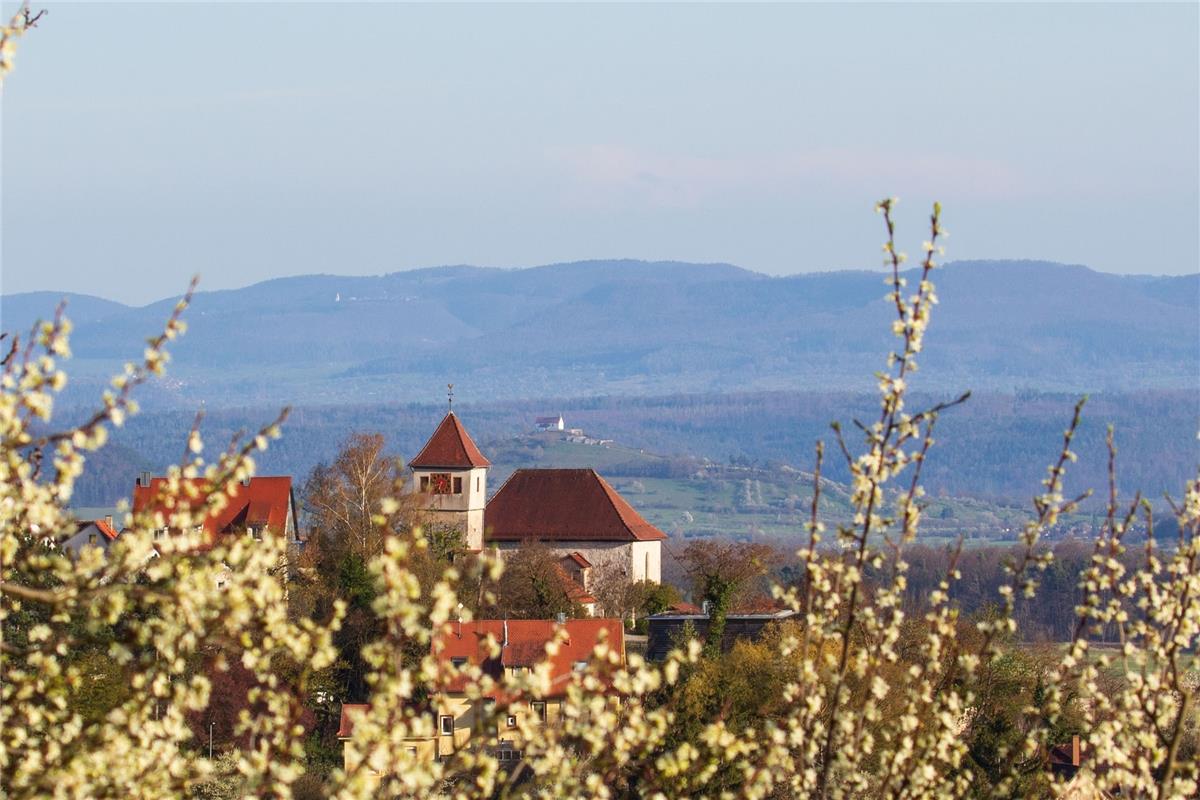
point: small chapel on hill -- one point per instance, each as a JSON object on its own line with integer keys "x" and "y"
{"x": 574, "y": 512}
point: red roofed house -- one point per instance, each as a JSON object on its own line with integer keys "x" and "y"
{"x": 522, "y": 647}
{"x": 574, "y": 511}
{"x": 451, "y": 473}
{"x": 91, "y": 533}
{"x": 257, "y": 507}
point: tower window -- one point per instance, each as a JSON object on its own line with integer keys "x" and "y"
{"x": 424, "y": 483}
{"x": 458, "y": 485}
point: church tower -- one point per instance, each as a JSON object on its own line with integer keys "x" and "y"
{"x": 450, "y": 476}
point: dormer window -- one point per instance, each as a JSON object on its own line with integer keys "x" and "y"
{"x": 458, "y": 662}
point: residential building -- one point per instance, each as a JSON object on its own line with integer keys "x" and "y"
{"x": 459, "y": 722}
{"x": 99, "y": 533}
{"x": 550, "y": 423}
{"x": 575, "y": 572}
{"x": 257, "y": 507}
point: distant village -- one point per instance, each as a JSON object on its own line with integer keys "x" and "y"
{"x": 574, "y": 513}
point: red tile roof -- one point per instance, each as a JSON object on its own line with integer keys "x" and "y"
{"x": 684, "y": 607}
{"x": 575, "y": 591}
{"x": 103, "y": 525}
{"x": 563, "y": 505}
{"x": 578, "y": 558}
{"x": 450, "y": 446}
{"x": 527, "y": 640}
{"x": 264, "y": 503}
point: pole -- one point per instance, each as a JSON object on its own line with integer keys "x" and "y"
{"x": 210, "y": 729}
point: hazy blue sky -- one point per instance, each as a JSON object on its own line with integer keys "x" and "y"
{"x": 142, "y": 143}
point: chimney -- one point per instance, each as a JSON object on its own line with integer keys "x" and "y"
{"x": 1076, "y": 754}
{"x": 143, "y": 479}
{"x": 108, "y": 520}
{"x": 505, "y": 642}
{"x": 706, "y": 608}
{"x": 561, "y": 617}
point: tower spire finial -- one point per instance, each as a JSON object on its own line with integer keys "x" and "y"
{"x": 449, "y": 396}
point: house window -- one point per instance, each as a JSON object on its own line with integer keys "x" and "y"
{"x": 539, "y": 709}
{"x": 458, "y": 662}
{"x": 440, "y": 482}
{"x": 158, "y": 532}
{"x": 412, "y": 751}
{"x": 458, "y": 485}
{"x": 424, "y": 483}
{"x": 512, "y": 720}
{"x": 646, "y": 574}
{"x": 91, "y": 538}
{"x": 447, "y": 724}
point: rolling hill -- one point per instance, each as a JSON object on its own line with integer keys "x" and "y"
{"x": 638, "y": 328}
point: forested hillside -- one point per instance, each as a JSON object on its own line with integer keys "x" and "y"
{"x": 638, "y": 328}
{"x": 995, "y": 447}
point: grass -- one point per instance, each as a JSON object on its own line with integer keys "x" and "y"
{"x": 746, "y": 501}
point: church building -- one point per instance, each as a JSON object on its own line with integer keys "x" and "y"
{"x": 451, "y": 475}
{"x": 574, "y": 512}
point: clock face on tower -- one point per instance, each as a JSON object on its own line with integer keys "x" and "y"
{"x": 439, "y": 483}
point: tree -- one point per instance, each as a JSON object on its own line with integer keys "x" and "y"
{"x": 723, "y": 573}
{"x": 534, "y": 585}
{"x": 342, "y": 500}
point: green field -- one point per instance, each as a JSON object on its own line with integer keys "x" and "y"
{"x": 724, "y": 500}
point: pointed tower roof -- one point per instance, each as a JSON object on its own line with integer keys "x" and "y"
{"x": 450, "y": 446}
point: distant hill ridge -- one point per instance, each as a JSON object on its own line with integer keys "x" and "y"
{"x": 637, "y": 327}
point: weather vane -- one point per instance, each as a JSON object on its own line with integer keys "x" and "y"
{"x": 450, "y": 396}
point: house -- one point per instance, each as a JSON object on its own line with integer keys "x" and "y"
{"x": 747, "y": 622}
{"x": 257, "y": 507}
{"x": 451, "y": 475}
{"x": 574, "y": 511}
{"x": 459, "y": 721}
{"x": 99, "y": 533}
{"x": 549, "y": 423}
{"x": 575, "y": 573}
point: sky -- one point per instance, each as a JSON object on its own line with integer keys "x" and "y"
{"x": 144, "y": 143}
